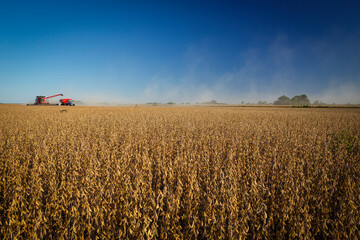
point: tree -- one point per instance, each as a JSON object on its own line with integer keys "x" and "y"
{"x": 296, "y": 100}
{"x": 300, "y": 100}
{"x": 317, "y": 102}
{"x": 304, "y": 99}
{"x": 211, "y": 102}
{"x": 283, "y": 100}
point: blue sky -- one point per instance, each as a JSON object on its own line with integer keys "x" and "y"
{"x": 180, "y": 51}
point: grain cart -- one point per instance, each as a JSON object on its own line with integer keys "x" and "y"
{"x": 67, "y": 102}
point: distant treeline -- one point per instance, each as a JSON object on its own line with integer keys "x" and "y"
{"x": 296, "y": 100}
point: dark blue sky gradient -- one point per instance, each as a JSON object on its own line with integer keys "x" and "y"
{"x": 184, "y": 51}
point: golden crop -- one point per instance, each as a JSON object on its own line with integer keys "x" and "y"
{"x": 179, "y": 173}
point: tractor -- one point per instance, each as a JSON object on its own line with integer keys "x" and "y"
{"x": 67, "y": 102}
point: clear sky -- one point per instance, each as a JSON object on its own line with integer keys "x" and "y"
{"x": 180, "y": 51}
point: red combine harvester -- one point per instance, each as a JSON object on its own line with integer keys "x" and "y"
{"x": 41, "y": 100}
{"x": 67, "y": 102}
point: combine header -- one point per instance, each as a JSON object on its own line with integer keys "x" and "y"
{"x": 41, "y": 100}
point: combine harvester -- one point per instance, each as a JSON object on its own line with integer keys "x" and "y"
{"x": 41, "y": 100}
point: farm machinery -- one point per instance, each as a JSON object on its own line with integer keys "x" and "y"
{"x": 67, "y": 102}
{"x": 41, "y": 100}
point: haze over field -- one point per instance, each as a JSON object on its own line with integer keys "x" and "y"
{"x": 138, "y": 52}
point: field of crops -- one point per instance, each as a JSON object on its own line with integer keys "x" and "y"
{"x": 179, "y": 173}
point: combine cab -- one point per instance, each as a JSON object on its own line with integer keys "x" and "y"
{"x": 67, "y": 102}
{"x": 41, "y": 100}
